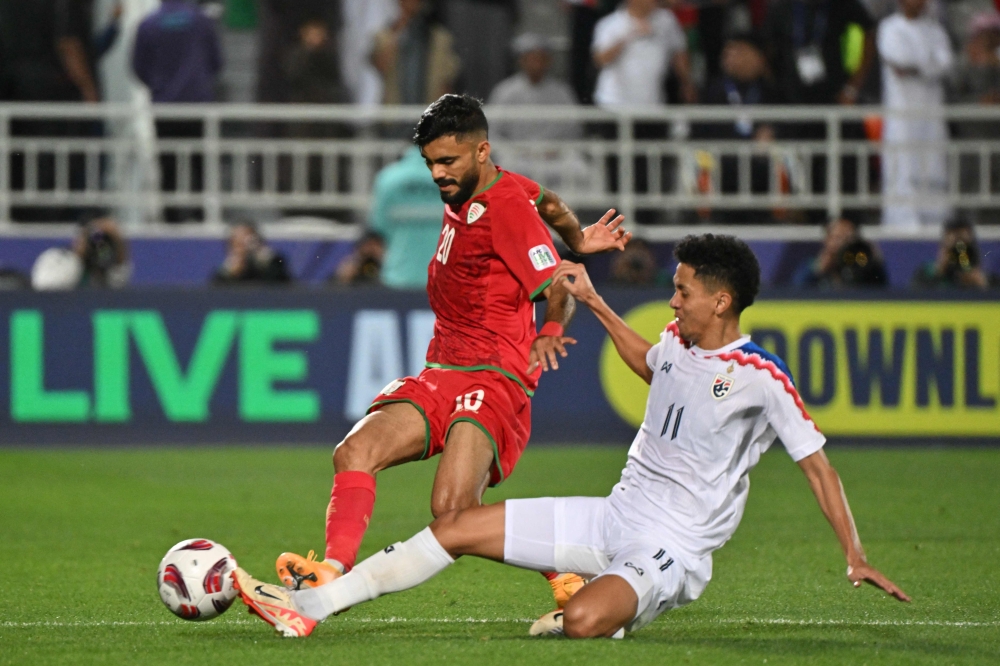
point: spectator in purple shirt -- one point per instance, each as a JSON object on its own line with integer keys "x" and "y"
{"x": 177, "y": 53}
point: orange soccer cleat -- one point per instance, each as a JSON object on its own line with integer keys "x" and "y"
{"x": 273, "y": 604}
{"x": 296, "y": 572}
{"x": 565, "y": 586}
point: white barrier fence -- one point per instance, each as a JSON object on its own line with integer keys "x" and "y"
{"x": 212, "y": 162}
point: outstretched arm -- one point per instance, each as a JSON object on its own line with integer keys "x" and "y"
{"x": 631, "y": 346}
{"x": 551, "y": 343}
{"x": 606, "y": 234}
{"x": 826, "y": 485}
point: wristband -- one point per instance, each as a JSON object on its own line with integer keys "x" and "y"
{"x": 551, "y": 328}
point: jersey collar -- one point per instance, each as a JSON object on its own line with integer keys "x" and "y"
{"x": 735, "y": 344}
{"x": 458, "y": 215}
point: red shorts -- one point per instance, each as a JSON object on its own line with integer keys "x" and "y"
{"x": 495, "y": 404}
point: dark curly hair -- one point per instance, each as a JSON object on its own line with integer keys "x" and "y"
{"x": 458, "y": 115}
{"x": 726, "y": 260}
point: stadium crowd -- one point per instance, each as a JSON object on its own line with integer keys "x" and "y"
{"x": 900, "y": 53}
{"x": 411, "y": 51}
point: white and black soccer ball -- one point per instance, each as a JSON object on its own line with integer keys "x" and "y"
{"x": 194, "y": 580}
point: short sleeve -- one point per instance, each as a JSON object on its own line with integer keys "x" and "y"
{"x": 653, "y": 355}
{"x": 524, "y": 245}
{"x": 676, "y": 39}
{"x": 534, "y": 191}
{"x": 609, "y": 31}
{"x": 788, "y": 417}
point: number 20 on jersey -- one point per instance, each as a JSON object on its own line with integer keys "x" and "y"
{"x": 447, "y": 238}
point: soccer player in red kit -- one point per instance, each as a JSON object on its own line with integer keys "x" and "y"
{"x": 471, "y": 404}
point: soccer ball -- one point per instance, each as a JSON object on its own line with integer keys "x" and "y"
{"x": 194, "y": 580}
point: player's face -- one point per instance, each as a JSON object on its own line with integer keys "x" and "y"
{"x": 695, "y": 305}
{"x": 455, "y": 167}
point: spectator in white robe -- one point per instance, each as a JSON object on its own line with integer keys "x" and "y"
{"x": 541, "y": 155}
{"x": 916, "y": 59}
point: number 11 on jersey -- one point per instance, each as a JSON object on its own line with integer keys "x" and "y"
{"x": 677, "y": 422}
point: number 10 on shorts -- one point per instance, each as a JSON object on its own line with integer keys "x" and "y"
{"x": 470, "y": 402}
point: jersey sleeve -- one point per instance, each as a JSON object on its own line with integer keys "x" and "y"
{"x": 653, "y": 355}
{"x": 609, "y": 31}
{"x": 524, "y": 245}
{"x": 534, "y": 191}
{"x": 788, "y": 417}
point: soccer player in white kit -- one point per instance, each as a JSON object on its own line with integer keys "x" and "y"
{"x": 716, "y": 403}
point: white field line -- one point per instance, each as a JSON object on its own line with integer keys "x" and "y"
{"x": 500, "y": 620}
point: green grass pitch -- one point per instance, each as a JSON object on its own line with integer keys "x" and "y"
{"x": 81, "y": 534}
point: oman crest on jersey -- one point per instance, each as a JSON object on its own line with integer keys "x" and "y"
{"x": 721, "y": 386}
{"x": 476, "y": 211}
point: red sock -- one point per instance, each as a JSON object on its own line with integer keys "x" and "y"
{"x": 351, "y": 502}
{"x": 549, "y": 575}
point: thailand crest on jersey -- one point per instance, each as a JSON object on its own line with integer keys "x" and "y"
{"x": 721, "y": 386}
{"x": 476, "y": 210}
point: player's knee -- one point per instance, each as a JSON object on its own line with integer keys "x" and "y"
{"x": 447, "y": 501}
{"x": 353, "y": 454}
{"x": 582, "y": 621}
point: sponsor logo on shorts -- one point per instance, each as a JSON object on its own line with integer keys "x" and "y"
{"x": 721, "y": 386}
{"x": 541, "y": 257}
{"x": 476, "y": 211}
{"x": 393, "y": 386}
{"x": 637, "y": 569}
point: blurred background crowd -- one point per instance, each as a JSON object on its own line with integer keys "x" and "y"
{"x": 634, "y": 53}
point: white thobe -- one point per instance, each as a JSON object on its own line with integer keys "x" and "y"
{"x": 914, "y": 161}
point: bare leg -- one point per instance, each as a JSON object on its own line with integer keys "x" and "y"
{"x": 476, "y": 531}
{"x": 393, "y": 435}
{"x": 464, "y": 471}
{"x": 600, "y": 608}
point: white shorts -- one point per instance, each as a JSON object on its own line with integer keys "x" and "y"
{"x": 581, "y": 535}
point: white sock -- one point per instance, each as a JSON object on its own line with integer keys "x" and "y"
{"x": 399, "y": 567}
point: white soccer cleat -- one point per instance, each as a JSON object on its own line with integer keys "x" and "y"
{"x": 551, "y": 624}
{"x": 273, "y": 604}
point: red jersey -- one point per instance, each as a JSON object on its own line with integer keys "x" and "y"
{"x": 495, "y": 257}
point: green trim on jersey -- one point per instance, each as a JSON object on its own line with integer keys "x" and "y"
{"x": 427, "y": 423}
{"x": 541, "y": 195}
{"x": 540, "y": 289}
{"x": 493, "y": 442}
{"x": 494, "y": 182}
{"x": 479, "y": 368}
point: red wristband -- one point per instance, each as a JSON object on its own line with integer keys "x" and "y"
{"x": 552, "y": 328}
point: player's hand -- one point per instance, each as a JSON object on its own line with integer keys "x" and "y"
{"x": 546, "y": 350}
{"x": 865, "y": 573}
{"x": 580, "y": 287}
{"x": 604, "y": 235}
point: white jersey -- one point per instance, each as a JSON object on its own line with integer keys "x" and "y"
{"x": 709, "y": 417}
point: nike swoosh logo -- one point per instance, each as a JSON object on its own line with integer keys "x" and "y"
{"x": 260, "y": 590}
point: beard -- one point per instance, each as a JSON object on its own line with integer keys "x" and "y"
{"x": 466, "y": 187}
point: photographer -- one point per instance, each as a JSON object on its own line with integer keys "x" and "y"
{"x": 99, "y": 258}
{"x": 958, "y": 262}
{"x": 249, "y": 259}
{"x": 364, "y": 264}
{"x": 845, "y": 261}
